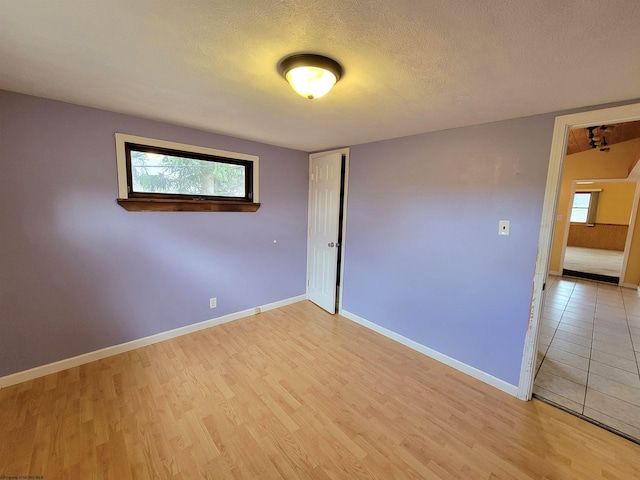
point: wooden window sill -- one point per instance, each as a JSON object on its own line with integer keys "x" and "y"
{"x": 165, "y": 205}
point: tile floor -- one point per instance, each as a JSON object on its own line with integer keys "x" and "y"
{"x": 589, "y": 351}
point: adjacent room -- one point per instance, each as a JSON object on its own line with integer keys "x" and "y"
{"x": 587, "y": 348}
{"x": 315, "y": 240}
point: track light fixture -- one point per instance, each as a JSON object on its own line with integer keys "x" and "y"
{"x": 597, "y": 141}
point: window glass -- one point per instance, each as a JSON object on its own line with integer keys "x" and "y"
{"x": 172, "y": 174}
{"x": 580, "y": 208}
{"x": 165, "y": 172}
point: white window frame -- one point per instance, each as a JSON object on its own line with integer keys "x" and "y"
{"x": 123, "y": 138}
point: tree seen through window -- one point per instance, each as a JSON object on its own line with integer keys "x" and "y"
{"x": 177, "y": 175}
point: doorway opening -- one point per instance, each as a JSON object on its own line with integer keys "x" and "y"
{"x": 599, "y": 218}
{"x": 563, "y": 124}
{"x": 593, "y": 310}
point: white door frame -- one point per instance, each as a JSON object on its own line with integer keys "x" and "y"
{"x": 345, "y": 152}
{"x": 632, "y": 221}
{"x": 563, "y": 124}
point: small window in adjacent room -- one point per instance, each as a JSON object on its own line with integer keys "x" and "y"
{"x": 585, "y": 205}
{"x": 159, "y": 175}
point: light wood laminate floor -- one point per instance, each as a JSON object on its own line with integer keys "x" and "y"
{"x": 291, "y": 393}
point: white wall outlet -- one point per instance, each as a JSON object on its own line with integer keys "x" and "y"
{"x": 213, "y": 302}
{"x": 503, "y": 227}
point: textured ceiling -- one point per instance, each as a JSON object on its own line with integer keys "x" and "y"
{"x": 411, "y": 66}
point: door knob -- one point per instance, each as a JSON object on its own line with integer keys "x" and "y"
{"x": 331, "y": 244}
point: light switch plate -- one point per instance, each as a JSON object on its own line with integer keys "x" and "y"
{"x": 503, "y": 227}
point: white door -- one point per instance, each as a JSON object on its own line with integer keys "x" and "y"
{"x": 324, "y": 217}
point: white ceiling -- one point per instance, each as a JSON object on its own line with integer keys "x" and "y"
{"x": 411, "y": 66}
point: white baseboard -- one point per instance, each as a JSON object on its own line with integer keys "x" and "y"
{"x": 452, "y": 362}
{"x": 632, "y": 286}
{"x": 60, "y": 365}
{"x": 555, "y": 274}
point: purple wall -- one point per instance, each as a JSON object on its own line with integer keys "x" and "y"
{"x": 79, "y": 273}
{"x": 423, "y": 256}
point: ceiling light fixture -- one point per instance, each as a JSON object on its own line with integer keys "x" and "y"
{"x": 311, "y": 76}
{"x": 597, "y": 141}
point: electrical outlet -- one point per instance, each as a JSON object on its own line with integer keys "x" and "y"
{"x": 213, "y": 302}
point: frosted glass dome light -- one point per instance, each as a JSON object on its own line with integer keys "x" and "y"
{"x": 311, "y": 76}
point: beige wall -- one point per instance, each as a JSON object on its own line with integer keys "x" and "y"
{"x": 615, "y": 202}
{"x": 591, "y": 165}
